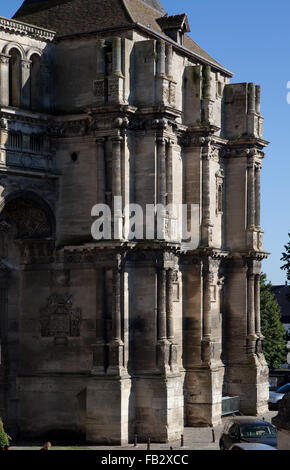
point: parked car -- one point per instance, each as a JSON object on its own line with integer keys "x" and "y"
{"x": 251, "y": 446}
{"x": 276, "y": 397}
{"x": 248, "y": 430}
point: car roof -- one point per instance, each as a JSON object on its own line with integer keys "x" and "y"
{"x": 247, "y": 420}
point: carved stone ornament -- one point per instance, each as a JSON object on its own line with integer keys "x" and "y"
{"x": 30, "y": 220}
{"x": 59, "y": 318}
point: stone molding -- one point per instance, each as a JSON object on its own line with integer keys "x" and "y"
{"x": 24, "y": 29}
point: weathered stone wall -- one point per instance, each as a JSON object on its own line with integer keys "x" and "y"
{"x": 128, "y": 336}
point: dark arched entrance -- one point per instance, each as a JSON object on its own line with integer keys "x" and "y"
{"x": 26, "y": 224}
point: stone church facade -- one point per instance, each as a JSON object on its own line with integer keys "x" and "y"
{"x": 104, "y": 339}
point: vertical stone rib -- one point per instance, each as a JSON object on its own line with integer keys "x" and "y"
{"x": 257, "y": 305}
{"x": 161, "y": 58}
{"x": 4, "y": 80}
{"x": 251, "y": 195}
{"x": 161, "y": 157}
{"x": 161, "y": 304}
{"x": 258, "y": 196}
{"x": 251, "y": 308}
{"x": 169, "y": 173}
{"x": 169, "y": 61}
{"x": 258, "y": 99}
{"x": 117, "y": 57}
{"x": 101, "y": 171}
{"x": 116, "y": 166}
{"x": 116, "y": 305}
{"x": 252, "y": 98}
{"x": 206, "y": 304}
{"x": 170, "y": 322}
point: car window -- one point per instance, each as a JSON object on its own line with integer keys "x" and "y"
{"x": 257, "y": 430}
{"x": 234, "y": 429}
{"x": 284, "y": 389}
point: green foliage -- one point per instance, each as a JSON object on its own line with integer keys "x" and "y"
{"x": 286, "y": 259}
{"x": 4, "y": 441}
{"x": 274, "y": 345}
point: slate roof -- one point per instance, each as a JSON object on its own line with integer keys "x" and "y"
{"x": 69, "y": 17}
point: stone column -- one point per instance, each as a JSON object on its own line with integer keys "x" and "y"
{"x": 25, "y": 85}
{"x": 117, "y": 186}
{"x": 258, "y": 314}
{"x": 161, "y": 304}
{"x": 169, "y": 61}
{"x": 251, "y": 195}
{"x": 161, "y": 157}
{"x": 101, "y": 171}
{"x": 258, "y": 99}
{"x": 252, "y": 337}
{"x": 206, "y": 220}
{"x": 169, "y": 172}
{"x": 163, "y": 346}
{"x": 161, "y": 58}
{"x": 207, "y": 279}
{"x": 116, "y": 305}
{"x": 4, "y": 80}
{"x": 258, "y": 196}
{"x": 116, "y": 359}
{"x": 252, "y": 98}
{"x": 117, "y": 57}
{"x": 170, "y": 320}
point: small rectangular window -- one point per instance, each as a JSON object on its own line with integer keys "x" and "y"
{"x": 15, "y": 140}
{"x": 36, "y": 143}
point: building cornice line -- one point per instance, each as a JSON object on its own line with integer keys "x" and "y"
{"x": 150, "y": 31}
{"x": 25, "y": 29}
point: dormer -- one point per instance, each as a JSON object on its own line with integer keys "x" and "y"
{"x": 175, "y": 27}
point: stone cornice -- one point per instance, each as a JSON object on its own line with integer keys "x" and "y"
{"x": 13, "y": 26}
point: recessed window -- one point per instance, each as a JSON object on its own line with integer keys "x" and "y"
{"x": 15, "y": 140}
{"x": 74, "y": 157}
{"x": 36, "y": 143}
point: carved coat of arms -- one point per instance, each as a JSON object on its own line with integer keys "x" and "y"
{"x": 59, "y": 318}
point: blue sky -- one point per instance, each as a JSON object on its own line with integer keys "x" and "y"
{"x": 251, "y": 38}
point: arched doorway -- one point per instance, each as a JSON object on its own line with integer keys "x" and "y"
{"x": 25, "y": 220}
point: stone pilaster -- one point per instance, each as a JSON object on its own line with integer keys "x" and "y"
{"x": 169, "y": 61}
{"x": 116, "y": 79}
{"x": 161, "y": 59}
{"x": 161, "y": 186}
{"x": 4, "y": 79}
{"x": 25, "y": 84}
{"x": 117, "y": 186}
{"x": 101, "y": 170}
{"x": 116, "y": 356}
{"x": 259, "y": 335}
{"x": 207, "y": 227}
{"x": 163, "y": 344}
{"x": 258, "y": 196}
{"x": 251, "y": 336}
{"x": 99, "y": 83}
